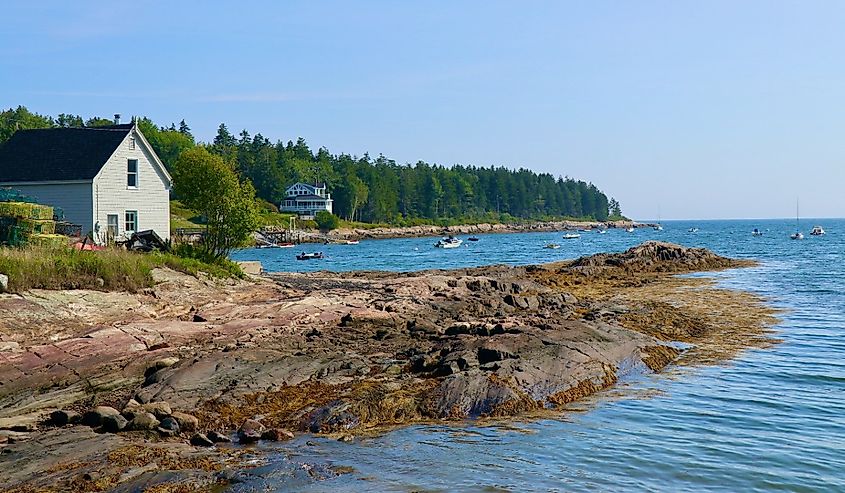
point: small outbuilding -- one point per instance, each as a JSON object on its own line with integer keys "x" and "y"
{"x": 107, "y": 179}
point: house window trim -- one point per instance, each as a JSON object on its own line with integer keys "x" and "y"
{"x": 130, "y": 173}
{"x": 126, "y": 221}
{"x": 131, "y": 143}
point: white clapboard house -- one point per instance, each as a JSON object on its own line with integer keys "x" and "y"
{"x": 306, "y": 200}
{"x": 106, "y": 179}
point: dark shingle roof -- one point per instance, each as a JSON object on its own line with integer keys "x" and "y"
{"x": 59, "y": 153}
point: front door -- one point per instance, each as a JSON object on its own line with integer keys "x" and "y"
{"x": 112, "y": 226}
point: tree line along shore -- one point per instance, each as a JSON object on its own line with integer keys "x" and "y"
{"x": 367, "y": 189}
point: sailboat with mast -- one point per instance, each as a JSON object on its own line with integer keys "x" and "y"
{"x": 797, "y": 235}
{"x": 658, "y": 226}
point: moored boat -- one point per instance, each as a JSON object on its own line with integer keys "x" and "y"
{"x": 571, "y": 236}
{"x": 817, "y": 231}
{"x": 756, "y": 232}
{"x": 472, "y": 238}
{"x": 693, "y": 230}
{"x": 797, "y": 235}
{"x": 309, "y": 256}
{"x": 552, "y": 246}
{"x": 629, "y": 229}
{"x": 449, "y": 242}
{"x": 351, "y": 242}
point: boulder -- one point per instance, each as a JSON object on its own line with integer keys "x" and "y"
{"x": 217, "y": 437}
{"x": 252, "y": 267}
{"x": 187, "y": 422}
{"x": 143, "y": 421}
{"x": 63, "y": 417}
{"x": 277, "y": 435}
{"x": 113, "y": 424}
{"x": 250, "y": 431}
{"x": 168, "y": 426}
{"x": 160, "y": 409}
{"x": 4, "y": 283}
{"x": 95, "y": 417}
{"x": 200, "y": 440}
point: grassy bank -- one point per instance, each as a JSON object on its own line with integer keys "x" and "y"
{"x": 111, "y": 270}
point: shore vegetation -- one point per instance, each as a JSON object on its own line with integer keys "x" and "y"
{"x": 365, "y": 189}
{"x": 36, "y": 267}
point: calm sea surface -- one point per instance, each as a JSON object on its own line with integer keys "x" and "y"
{"x": 771, "y": 420}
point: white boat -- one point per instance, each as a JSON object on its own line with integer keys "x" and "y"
{"x": 450, "y": 242}
{"x": 756, "y": 232}
{"x": 571, "y": 236}
{"x": 629, "y": 229}
{"x": 601, "y": 231}
{"x": 275, "y": 245}
{"x": 797, "y": 235}
{"x": 817, "y": 231}
{"x": 552, "y": 246}
{"x": 658, "y": 227}
{"x": 693, "y": 230}
{"x": 310, "y": 256}
{"x": 351, "y": 242}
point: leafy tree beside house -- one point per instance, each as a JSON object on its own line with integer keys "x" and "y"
{"x": 210, "y": 186}
{"x": 326, "y": 221}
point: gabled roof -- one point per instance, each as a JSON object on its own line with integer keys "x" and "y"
{"x": 59, "y": 154}
{"x": 315, "y": 185}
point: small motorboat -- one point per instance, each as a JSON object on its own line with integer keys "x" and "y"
{"x": 629, "y": 229}
{"x": 658, "y": 228}
{"x": 309, "y": 256}
{"x": 552, "y": 246}
{"x": 817, "y": 231}
{"x": 796, "y": 236}
{"x": 693, "y": 230}
{"x": 351, "y": 242}
{"x": 756, "y": 232}
{"x": 450, "y": 242}
{"x": 472, "y": 238}
{"x": 571, "y": 236}
{"x": 601, "y": 231}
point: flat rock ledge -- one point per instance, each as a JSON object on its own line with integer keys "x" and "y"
{"x": 191, "y": 364}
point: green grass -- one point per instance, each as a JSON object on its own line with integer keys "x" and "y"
{"x": 182, "y": 217}
{"x": 107, "y": 270}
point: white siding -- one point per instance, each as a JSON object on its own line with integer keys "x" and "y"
{"x": 151, "y": 198}
{"x": 75, "y": 199}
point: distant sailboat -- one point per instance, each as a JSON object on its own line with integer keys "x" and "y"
{"x": 798, "y": 235}
{"x": 658, "y": 226}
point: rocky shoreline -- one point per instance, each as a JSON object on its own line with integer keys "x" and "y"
{"x": 422, "y": 231}
{"x": 130, "y": 391}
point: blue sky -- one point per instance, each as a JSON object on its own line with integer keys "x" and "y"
{"x": 717, "y": 109}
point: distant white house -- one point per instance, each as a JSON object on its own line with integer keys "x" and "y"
{"x": 106, "y": 179}
{"x": 306, "y": 200}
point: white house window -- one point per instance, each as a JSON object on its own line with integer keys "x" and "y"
{"x": 131, "y": 224}
{"x": 112, "y": 225}
{"x": 132, "y": 142}
{"x": 132, "y": 173}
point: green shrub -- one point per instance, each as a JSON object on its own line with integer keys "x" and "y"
{"x": 326, "y": 221}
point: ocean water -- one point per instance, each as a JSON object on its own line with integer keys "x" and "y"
{"x": 771, "y": 420}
